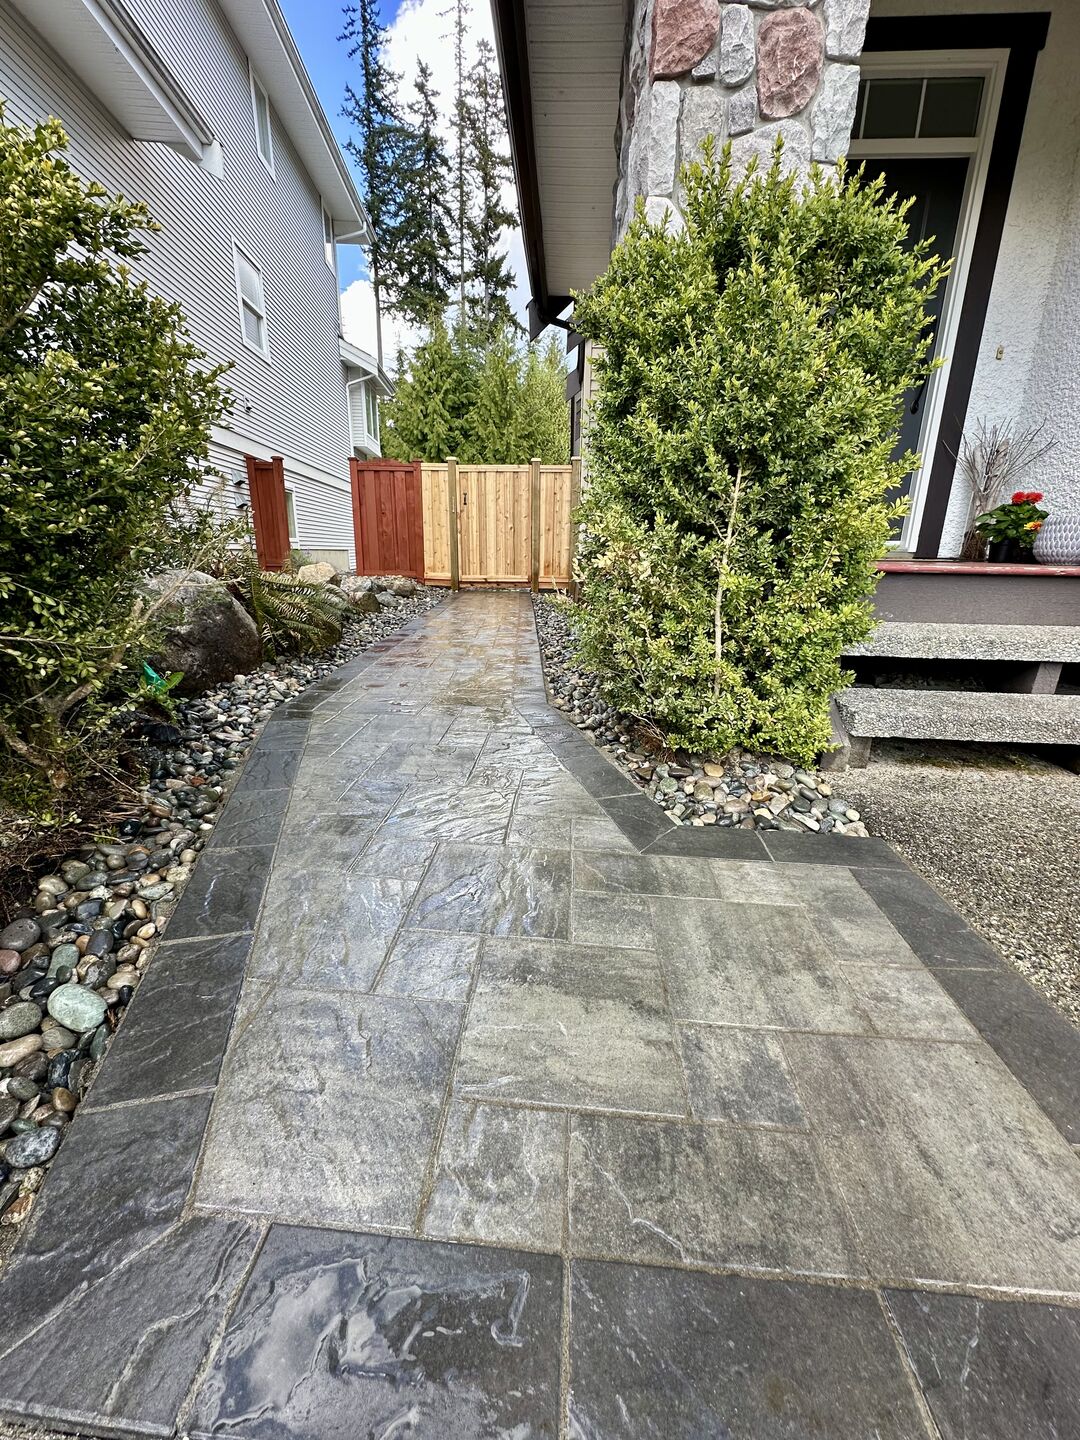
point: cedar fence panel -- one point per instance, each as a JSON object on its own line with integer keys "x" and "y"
{"x": 494, "y": 524}
{"x": 269, "y": 512}
{"x": 388, "y": 519}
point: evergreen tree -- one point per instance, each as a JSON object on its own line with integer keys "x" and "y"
{"x": 544, "y": 416}
{"x": 462, "y": 198}
{"x": 428, "y": 417}
{"x": 378, "y": 149}
{"x": 495, "y": 430}
{"x": 489, "y": 274}
{"x": 426, "y": 276}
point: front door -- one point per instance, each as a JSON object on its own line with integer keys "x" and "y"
{"x": 937, "y": 187}
{"x": 926, "y": 122}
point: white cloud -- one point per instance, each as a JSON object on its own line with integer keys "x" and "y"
{"x": 358, "y": 324}
{"x": 422, "y": 30}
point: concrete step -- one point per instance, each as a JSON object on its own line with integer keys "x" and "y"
{"x": 868, "y": 713}
{"x": 934, "y": 640}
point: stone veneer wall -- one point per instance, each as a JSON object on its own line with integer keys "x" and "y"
{"x": 748, "y": 72}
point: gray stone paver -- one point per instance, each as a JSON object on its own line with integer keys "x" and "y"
{"x": 520, "y": 1082}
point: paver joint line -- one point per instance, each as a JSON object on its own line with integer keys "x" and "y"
{"x": 511, "y": 1077}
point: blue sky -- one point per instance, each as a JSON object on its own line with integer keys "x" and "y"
{"x": 315, "y": 25}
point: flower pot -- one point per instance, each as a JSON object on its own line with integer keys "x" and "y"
{"x": 1009, "y": 552}
{"x": 1058, "y": 542}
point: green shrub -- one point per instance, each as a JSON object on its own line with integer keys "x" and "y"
{"x": 750, "y": 388}
{"x": 105, "y": 406}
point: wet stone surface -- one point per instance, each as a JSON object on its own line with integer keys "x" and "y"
{"x": 359, "y": 1334}
{"x": 450, "y": 1034}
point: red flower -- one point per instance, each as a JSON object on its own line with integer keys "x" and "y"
{"x": 1024, "y": 497}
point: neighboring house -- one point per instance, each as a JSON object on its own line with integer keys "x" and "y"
{"x": 204, "y": 111}
{"x": 974, "y": 109}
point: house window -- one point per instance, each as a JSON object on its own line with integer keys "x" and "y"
{"x": 927, "y": 107}
{"x": 290, "y": 512}
{"x": 264, "y": 139}
{"x": 249, "y": 294}
{"x": 371, "y": 412}
{"x": 328, "y": 240}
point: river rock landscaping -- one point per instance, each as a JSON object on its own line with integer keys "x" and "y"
{"x": 739, "y": 790}
{"x": 72, "y": 957}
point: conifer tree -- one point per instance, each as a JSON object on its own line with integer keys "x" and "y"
{"x": 544, "y": 417}
{"x": 461, "y": 158}
{"x": 489, "y": 273}
{"x": 377, "y": 147}
{"x": 426, "y": 275}
{"x": 495, "y": 423}
{"x": 428, "y": 417}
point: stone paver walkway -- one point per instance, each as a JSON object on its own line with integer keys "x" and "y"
{"x": 465, "y": 1099}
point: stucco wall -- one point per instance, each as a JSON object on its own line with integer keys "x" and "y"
{"x": 1034, "y": 310}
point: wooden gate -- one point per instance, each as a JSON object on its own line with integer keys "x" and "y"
{"x": 269, "y": 513}
{"x": 387, "y": 518}
{"x": 499, "y": 524}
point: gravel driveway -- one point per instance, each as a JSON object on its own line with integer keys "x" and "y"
{"x": 1001, "y": 839}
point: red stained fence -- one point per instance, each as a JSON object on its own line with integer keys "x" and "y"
{"x": 269, "y": 514}
{"x": 388, "y": 518}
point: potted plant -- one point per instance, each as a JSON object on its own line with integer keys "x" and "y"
{"x": 994, "y": 460}
{"x": 1010, "y": 529}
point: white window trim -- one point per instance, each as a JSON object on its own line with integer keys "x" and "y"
{"x": 329, "y": 246}
{"x": 238, "y": 252}
{"x": 991, "y": 65}
{"x": 257, "y": 87}
{"x": 290, "y": 517}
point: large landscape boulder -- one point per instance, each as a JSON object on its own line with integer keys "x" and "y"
{"x": 208, "y": 634}
{"x": 355, "y": 584}
{"x": 317, "y": 573}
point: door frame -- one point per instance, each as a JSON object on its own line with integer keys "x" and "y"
{"x": 1007, "y": 57}
{"x": 990, "y": 65}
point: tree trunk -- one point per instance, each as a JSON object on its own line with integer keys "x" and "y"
{"x": 718, "y": 605}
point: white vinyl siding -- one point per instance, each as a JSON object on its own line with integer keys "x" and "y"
{"x": 251, "y": 299}
{"x": 296, "y": 407}
{"x": 264, "y": 134}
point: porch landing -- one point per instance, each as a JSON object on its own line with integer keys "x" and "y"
{"x": 977, "y": 593}
{"x": 529, "y": 1125}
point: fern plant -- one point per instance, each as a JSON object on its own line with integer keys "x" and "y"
{"x": 292, "y": 616}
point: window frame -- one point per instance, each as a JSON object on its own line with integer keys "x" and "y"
{"x": 329, "y": 245}
{"x": 258, "y": 88}
{"x": 991, "y": 65}
{"x": 240, "y": 253}
{"x": 290, "y": 517}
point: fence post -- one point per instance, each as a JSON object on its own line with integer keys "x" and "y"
{"x": 452, "y": 514}
{"x": 534, "y": 525}
{"x": 575, "y": 501}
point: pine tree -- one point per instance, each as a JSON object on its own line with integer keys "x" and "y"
{"x": 489, "y": 273}
{"x": 461, "y": 154}
{"x": 426, "y": 275}
{"x": 544, "y": 417}
{"x": 428, "y": 417}
{"x": 377, "y": 148}
{"x": 495, "y": 424}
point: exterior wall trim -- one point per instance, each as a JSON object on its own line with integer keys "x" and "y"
{"x": 1023, "y": 35}
{"x": 512, "y": 44}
